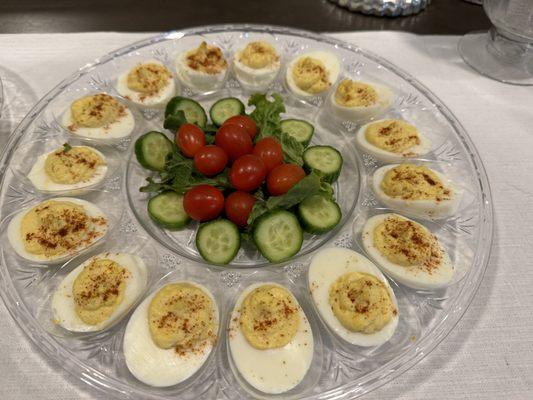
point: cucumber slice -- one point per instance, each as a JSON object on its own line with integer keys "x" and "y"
{"x": 299, "y": 129}
{"x": 166, "y": 209}
{"x": 193, "y": 111}
{"x": 152, "y": 149}
{"x": 324, "y": 159}
{"x": 318, "y": 214}
{"x": 224, "y": 109}
{"x": 218, "y": 241}
{"x": 278, "y": 235}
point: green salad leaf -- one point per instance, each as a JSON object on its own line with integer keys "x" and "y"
{"x": 179, "y": 175}
{"x": 174, "y": 121}
{"x": 311, "y": 185}
{"x": 267, "y": 116}
{"x": 292, "y": 149}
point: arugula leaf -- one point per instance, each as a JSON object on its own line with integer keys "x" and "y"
{"x": 293, "y": 150}
{"x": 66, "y": 147}
{"x": 179, "y": 175}
{"x": 175, "y": 120}
{"x": 268, "y": 119}
{"x": 259, "y": 208}
{"x": 267, "y": 114}
{"x": 210, "y": 129}
{"x": 309, "y": 186}
{"x": 154, "y": 187}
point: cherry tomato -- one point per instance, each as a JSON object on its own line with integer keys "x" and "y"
{"x": 234, "y": 140}
{"x": 189, "y": 139}
{"x": 203, "y": 202}
{"x": 247, "y": 173}
{"x": 244, "y": 121}
{"x": 238, "y": 207}
{"x": 210, "y": 160}
{"x": 284, "y": 177}
{"x": 269, "y": 150}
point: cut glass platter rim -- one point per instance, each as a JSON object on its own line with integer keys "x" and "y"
{"x": 364, "y": 384}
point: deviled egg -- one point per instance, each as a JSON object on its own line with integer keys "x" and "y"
{"x": 149, "y": 84}
{"x": 416, "y": 190}
{"x": 98, "y": 116}
{"x": 99, "y": 291}
{"x": 313, "y": 73}
{"x": 270, "y": 338}
{"x": 357, "y": 100}
{"x": 171, "y": 334}
{"x": 353, "y": 297}
{"x": 54, "y": 230}
{"x": 203, "y": 68}
{"x": 68, "y": 168}
{"x": 407, "y": 251}
{"x": 257, "y": 65}
{"x": 391, "y": 140}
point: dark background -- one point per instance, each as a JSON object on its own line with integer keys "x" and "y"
{"x": 452, "y": 17}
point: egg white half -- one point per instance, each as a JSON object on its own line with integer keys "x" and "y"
{"x": 387, "y": 156}
{"x": 63, "y": 307}
{"x": 271, "y": 371}
{"x": 13, "y": 232}
{"x": 40, "y": 179}
{"x": 415, "y": 276}
{"x": 121, "y": 128}
{"x": 197, "y": 79}
{"x": 326, "y": 267}
{"x": 155, "y": 100}
{"x": 252, "y": 78}
{"x": 361, "y": 113}
{"x": 429, "y": 209}
{"x": 331, "y": 63}
{"x": 156, "y": 366}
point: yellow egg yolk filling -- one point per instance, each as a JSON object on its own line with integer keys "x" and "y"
{"x": 258, "y": 55}
{"x": 148, "y": 78}
{"x": 98, "y": 290}
{"x": 96, "y": 111}
{"x": 361, "y": 302}
{"x": 407, "y": 243}
{"x": 207, "y": 59}
{"x": 310, "y": 75}
{"x": 53, "y": 228}
{"x": 355, "y": 94}
{"x": 72, "y": 165}
{"x": 393, "y": 135}
{"x": 269, "y": 317}
{"x": 181, "y": 316}
{"x": 414, "y": 182}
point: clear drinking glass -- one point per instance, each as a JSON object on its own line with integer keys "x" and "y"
{"x": 505, "y": 52}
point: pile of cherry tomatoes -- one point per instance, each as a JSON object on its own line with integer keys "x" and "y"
{"x": 249, "y": 167}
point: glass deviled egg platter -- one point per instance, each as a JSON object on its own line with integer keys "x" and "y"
{"x": 319, "y": 352}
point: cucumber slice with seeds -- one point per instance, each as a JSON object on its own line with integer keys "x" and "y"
{"x": 324, "y": 159}
{"x": 278, "y": 235}
{"x": 166, "y": 209}
{"x": 224, "y": 109}
{"x": 218, "y": 241}
{"x": 151, "y": 150}
{"x": 299, "y": 129}
{"x": 318, "y": 214}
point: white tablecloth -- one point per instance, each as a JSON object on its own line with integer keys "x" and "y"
{"x": 489, "y": 355}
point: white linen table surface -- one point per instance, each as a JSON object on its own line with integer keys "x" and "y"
{"x": 489, "y": 355}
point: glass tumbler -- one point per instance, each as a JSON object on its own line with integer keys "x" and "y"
{"x": 505, "y": 52}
